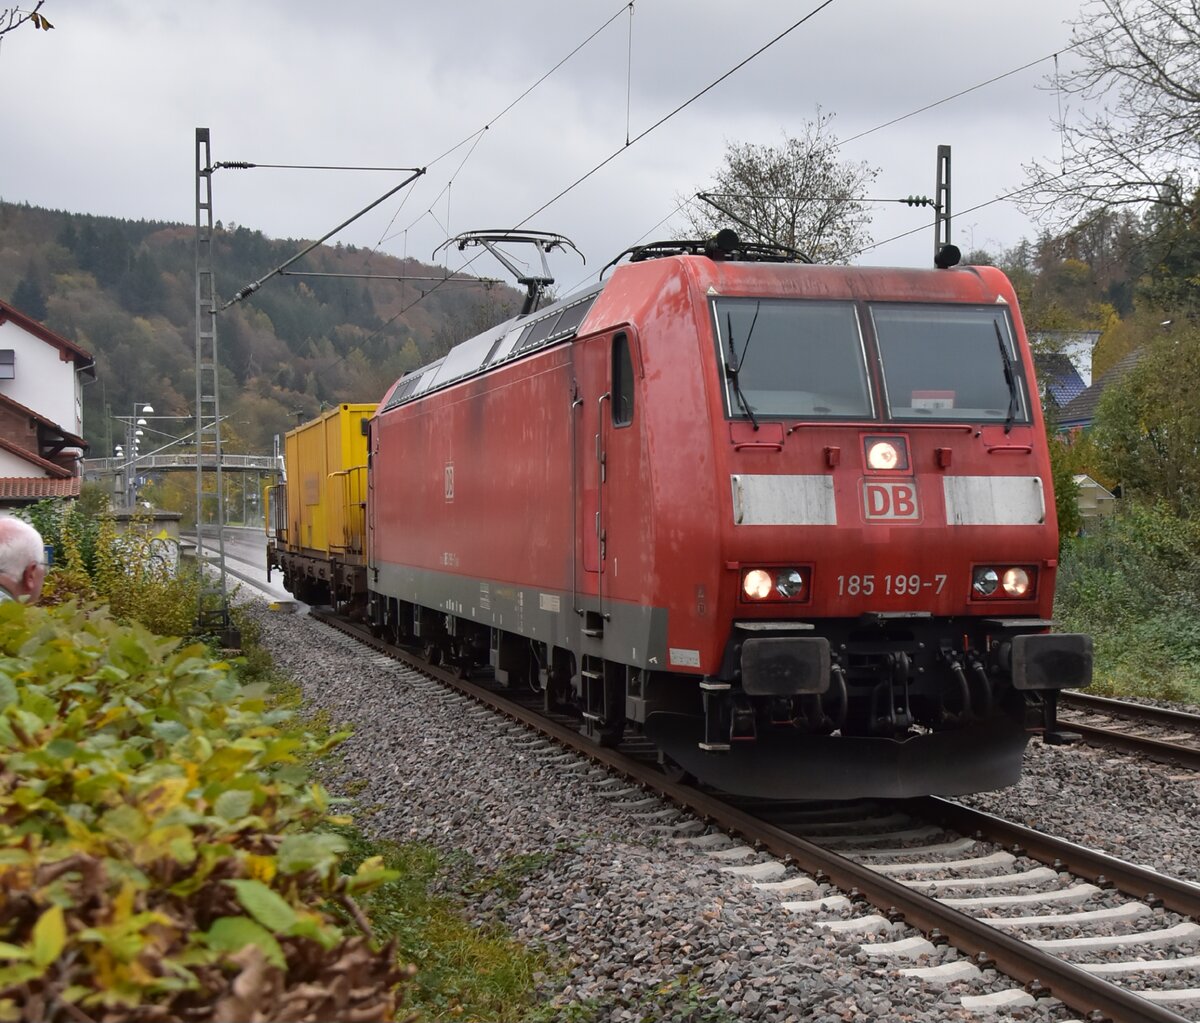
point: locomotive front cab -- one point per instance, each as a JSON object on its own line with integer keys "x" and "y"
{"x": 891, "y": 545}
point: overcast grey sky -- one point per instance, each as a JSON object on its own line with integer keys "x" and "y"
{"x": 98, "y": 116}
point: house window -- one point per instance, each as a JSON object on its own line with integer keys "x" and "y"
{"x": 8, "y": 364}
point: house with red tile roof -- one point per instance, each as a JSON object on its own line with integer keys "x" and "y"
{"x": 41, "y": 410}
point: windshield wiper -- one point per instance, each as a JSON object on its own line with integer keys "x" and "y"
{"x": 1010, "y": 379}
{"x": 734, "y": 365}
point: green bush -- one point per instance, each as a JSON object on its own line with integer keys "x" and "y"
{"x": 1133, "y": 582}
{"x": 137, "y": 573}
{"x": 71, "y": 528}
{"x": 163, "y": 853}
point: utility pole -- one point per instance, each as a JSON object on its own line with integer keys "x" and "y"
{"x": 212, "y": 615}
{"x": 941, "y": 201}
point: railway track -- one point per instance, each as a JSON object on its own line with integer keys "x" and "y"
{"x": 906, "y": 878}
{"x": 1162, "y": 734}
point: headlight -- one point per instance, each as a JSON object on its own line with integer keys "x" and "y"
{"x": 789, "y": 583}
{"x": 775, "y": 584}
{"x": 757, "y": 584}
{"x": 1001, "y": 582}
{"x": 1016, "y": 582}
{"x": 985, "y": 582}
{"x": 883, "y": 455}
{"x": 886, "y": 454}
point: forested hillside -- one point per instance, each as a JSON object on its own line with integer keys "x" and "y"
{"x": 125, "y": 291}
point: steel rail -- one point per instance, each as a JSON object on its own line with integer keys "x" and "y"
{"x": 1140, "y": 882}
{"x": 1038, "y": 971}
{"x": 1090, "y": 704}
{"x": 1155, "y": 749}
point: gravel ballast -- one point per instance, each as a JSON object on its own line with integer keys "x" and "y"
{"x": 640, "y": 921}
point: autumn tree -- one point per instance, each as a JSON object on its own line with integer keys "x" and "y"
{"x": 1131, "y": 114}
{"x": 1172, "y": 284}
{"x": 1148, "y": 424}
{"x": 798, "y": 194}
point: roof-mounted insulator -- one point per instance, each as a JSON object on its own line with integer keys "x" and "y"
{"x": 724, "y": 245}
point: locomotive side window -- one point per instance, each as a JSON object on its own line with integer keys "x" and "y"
{"x": 793, "y": 359}
{"x": 950, "y": 362}
{"x": 622, "y": 381}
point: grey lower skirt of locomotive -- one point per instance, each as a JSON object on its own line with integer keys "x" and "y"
{"x": 888, "y": 705}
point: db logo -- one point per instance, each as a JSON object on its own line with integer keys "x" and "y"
{"x": 890, "y": 500}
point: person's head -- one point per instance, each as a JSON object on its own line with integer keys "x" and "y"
{"x": 22, "y": 559}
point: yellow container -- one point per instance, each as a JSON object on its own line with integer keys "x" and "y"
{"x": 325, "y": 462}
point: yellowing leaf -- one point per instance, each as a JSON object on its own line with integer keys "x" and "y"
{"x": 262, "y": 868}
{"x": 228, "y": 761}
{"x": 49, "y": 936}
{"x": 165, "y": 795}
{"x": 371, "y": 873}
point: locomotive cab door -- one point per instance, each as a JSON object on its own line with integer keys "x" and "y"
{"x": 604, "y": 408}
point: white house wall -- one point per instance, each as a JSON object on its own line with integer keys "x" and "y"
{"x": 13, "y": 465}
{"x": 43, "y": 381}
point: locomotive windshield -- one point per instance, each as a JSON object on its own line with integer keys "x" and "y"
{"x": 785, "y": 358}
{"x": 949, "y": 362}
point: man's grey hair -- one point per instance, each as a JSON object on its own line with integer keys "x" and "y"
{"x": 20, "y": 546}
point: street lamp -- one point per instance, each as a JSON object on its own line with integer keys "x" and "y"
{"x": 133, "y": 433}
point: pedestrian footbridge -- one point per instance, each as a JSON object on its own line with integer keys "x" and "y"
{"x": 94, "y": 468}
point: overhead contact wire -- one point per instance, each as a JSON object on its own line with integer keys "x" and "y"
{"x": 497, "y": 117}
{"x": 963, "y": 92}
{"x": 629, "y": 74}
{"x": 479, "y": 132}
{"x": 654, "y": 127}
{"x": 682, "y": 106}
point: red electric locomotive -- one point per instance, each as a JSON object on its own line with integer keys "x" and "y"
{"x": 793, "y": 523}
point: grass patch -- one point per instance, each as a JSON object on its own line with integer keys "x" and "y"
{"x": 509, "y": 880}
{"x": 463, "y": 972}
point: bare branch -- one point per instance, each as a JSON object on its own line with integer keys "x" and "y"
{"x": 14, "y": 17}
{"x": 1133, "y": 138}
{"x": 797, "y": 194}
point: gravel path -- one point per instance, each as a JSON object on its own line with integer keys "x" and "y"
{"x": 642, "y": 923}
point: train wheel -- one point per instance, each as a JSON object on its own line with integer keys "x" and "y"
{"x": 432, "y": 652}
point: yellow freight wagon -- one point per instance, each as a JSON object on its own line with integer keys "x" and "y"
{"x": 319, "y": 511}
